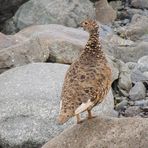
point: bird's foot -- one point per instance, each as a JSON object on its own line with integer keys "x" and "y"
{"x": 79, "y": 122}
{"x": 91, "y": 117}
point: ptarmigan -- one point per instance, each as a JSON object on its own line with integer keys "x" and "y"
{"x": 88, "y": 79}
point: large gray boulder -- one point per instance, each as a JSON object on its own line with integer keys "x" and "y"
{"x": 104, "y": 132}
{"x": 139, "y": 4}
{"x": 131, "y": 53}
{"x": 69, "y": 13}
{"x": 53, "y": 43}
{"x": 8, "y": 8}
{"x": 29, "y": 105}
{"x": 136, "y": 29}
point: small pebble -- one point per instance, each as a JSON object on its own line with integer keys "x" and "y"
{"x": 121, "y": 105}
{"x": 132, "y": 111}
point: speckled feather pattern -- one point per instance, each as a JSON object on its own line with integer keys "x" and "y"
{"x": 89, "y": 77}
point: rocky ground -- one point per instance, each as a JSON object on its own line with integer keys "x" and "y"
{"x": 37, "y": 44}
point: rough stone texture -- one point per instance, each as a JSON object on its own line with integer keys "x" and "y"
{"x": 8, "y": 40}
{"x": 143, "y": 60}
{"x": 54, "y": 43}
{"x": 131, "y": 65}
{"x": 139, "y": 3}
{"x": 8, "y": 8}
{"x": 136, "y": 29}
{"x": 20, "y": 54}
{"x": 132, "y": 111}
{"x": 125, "y": 81}
{"x": 47, "y": 12}
{"x": 138, "y": 91}
{"x": 104, "y": 132}
{"x": 131, "y": 53}
{"x": 121, "y": 105}
{"x": 137, "y": 76}
{"x": 115, "y": 4}
{"x": 29, "y": 105}
{"x": 104, "y": 12}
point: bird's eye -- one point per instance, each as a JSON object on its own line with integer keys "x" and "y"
{"x": 85, "y": 23}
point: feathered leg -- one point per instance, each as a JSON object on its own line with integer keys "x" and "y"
{"x": 78, "y": 119}
{"x": 90, "y": 116}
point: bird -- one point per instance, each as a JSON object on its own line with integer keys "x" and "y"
{"x": 88, "y": 79}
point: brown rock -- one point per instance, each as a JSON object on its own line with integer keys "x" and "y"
{"x": 104, "y": 132}
{"x": 104, "y": 12}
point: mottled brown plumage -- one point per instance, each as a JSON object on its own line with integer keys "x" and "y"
{"x": 88, "y": 79}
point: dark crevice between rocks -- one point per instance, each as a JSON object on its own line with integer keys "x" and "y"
{"x": 27, "y": 144}
{"x": 51, "y": 59}
{"x": 7, "y": 11}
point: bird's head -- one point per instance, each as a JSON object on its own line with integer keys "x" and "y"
{"x": 90, "y": 26}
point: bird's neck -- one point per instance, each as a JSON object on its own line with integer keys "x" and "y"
{"x": 93, "y": 45}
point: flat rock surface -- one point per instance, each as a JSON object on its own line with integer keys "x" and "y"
{"x": 29, "y": 105}
{"x": 104, "y": 132}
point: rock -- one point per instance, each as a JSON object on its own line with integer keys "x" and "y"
{"x": 53, "y": 43}
{"x": 131, "y": 53}
{"x": 136, "y": 29}
{"x": 115, "y": 4}
{"x": 132, "y": 11}
{"x": 118, "y": 41}
{"x": 146, "y": 74}
{"x": 8, "y": 8}
{"x": 125, "y": 81}
{"x": 113, "y": 63}
{"x": 139, "y": 3}
{"x": 138, "y": 91}
{"x": 143, "y": 60}
{"x": 121, "y": 105}
{"x": 29, "y": 104}
{"x": 131, "y": 65}
{"x": 145, "y": 108}
{"x": 132, "y": 111}
{"x": 141, "y": 103}
{"x": 104, "y": 12}
{"x": 8, "y": 40}
{"x": 138, "y": 76}
{"x": 144, "y": 38}
{"x": 104, "y": 132}
{"x": 47, "y": 12}
{"x": 23, "y": 53}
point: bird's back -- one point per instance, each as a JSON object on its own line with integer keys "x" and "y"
{"x": 89, "y": 77}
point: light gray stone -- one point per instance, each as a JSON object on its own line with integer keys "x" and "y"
{"x": 132, "y": 111}
{"x": 143, "y": 60}
{"x": 121, "y": 105}
{"x": 141, "y": 103}
{"x": 138, "y": 76}
{"x": 29, "y": 104}
{"x": 136, "y": 29}
{"x": 55, "y": 43}
{"x": 125, "y": 81}
{"x": 69, "y": 13}
{"x": 131, "y": 65}
{"x": 131, "y": 53}
{"x": 139, "y": 3}
{"x": 138, "y": 91}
